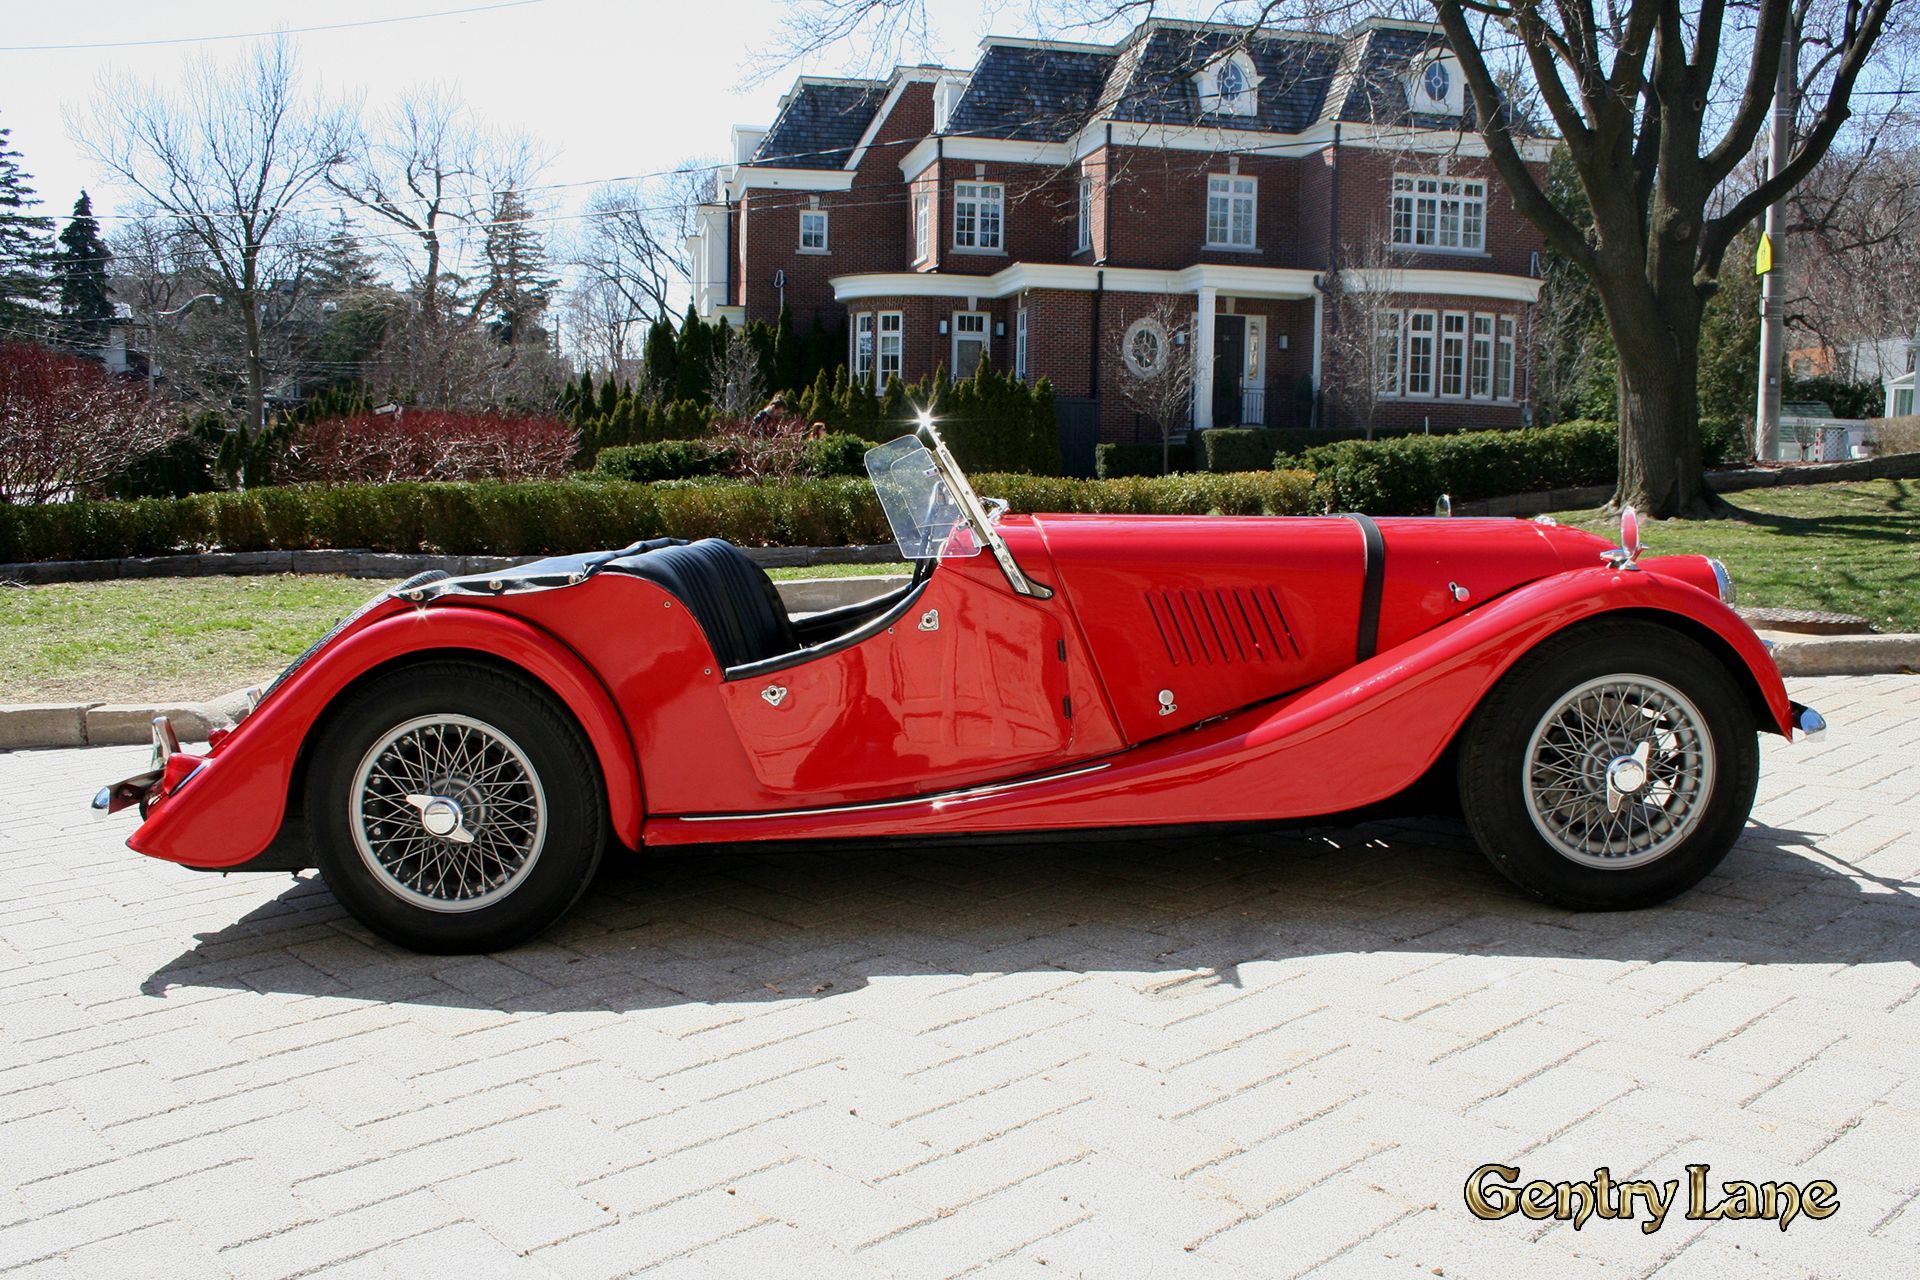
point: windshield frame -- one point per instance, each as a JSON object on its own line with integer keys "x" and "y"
{"x": 976, "y": 515}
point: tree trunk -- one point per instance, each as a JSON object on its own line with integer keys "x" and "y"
{"x": 1660, "y": 473}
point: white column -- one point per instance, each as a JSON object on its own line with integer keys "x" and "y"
{"x": 1203, "y": 359}
{"x": 1319, "y": 319}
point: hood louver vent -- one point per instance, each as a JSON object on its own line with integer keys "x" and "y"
{"x": 1213, "y": 627}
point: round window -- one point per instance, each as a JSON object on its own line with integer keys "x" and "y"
{"x": 1146, "y": 348}
{"x": 1437, "y": 81}
{"x": 1232, "y": 83}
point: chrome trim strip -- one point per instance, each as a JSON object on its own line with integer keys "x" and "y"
{"x": 937, "y": 800}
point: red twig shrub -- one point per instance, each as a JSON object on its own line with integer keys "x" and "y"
{"x": 771, "y": 445}
{"x": 66, "y": 427}
{"x": 431, "y": 444}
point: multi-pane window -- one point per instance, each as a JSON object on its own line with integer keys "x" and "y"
{"x": 969, "y": 342}
{"x": 1230, "y": 210}
{"x": 1440, "y": 213}
{"x": 890, "y": 345}
{"x": 1453, "y": 354}
{"x": 1386, "y": 354}
{"x": 978, "y": 213}
{"x": 1020, "y": 345}
{"x": 1084, "y": 237}
{"x": 922, "y": 224}
{"x": 1503, "y": 361}
{"x": 813, "y": 230}
{"x": 863, "y": 345}
{"x": 1420, "y": 339}
{"x": 1480, "y": 368}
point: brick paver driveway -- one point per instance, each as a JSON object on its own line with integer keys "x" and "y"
{"x": 1256, "y": 1056}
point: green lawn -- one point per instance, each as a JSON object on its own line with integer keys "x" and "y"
{"x": 1851, "y": 548}
{"x": 186, "y": 638}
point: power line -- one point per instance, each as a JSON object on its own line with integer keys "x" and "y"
{"x": 256, "y": 35}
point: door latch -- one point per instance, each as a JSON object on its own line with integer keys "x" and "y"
{"x": 775, "y": 694}
{"x": 930, "y": 620}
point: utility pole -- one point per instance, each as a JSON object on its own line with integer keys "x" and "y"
{"x": 1773, "y": 320}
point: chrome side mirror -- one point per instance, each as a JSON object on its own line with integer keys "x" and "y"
{"x": 1623, "y": 556}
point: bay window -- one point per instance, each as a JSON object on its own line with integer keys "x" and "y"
{"x": 891, "y": 333}
{"x": 1480, "y": 372}
{"x": 1420, "y": 339}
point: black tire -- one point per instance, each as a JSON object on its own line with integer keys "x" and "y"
{"x": 534, "y": 797}
{"x": 1534, "y": 789}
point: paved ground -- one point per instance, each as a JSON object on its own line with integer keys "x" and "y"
{"x": 1245, "y": 1057}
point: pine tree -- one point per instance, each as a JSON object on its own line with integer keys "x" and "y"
{"x": 26, "y": 282}
{"x": 81, "y": 266}
{"x": 694, "y": 359}
{"x": 519, "y": 280}
{"x": 343, "y": 266}
{"x": 660, "y": 372}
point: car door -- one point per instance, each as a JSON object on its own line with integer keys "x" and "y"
{"x": 969, "y": 684}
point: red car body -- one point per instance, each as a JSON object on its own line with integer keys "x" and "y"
{"x": 1182, "y": 670}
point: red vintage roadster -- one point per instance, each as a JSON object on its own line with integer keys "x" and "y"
{"x": 456, "y": 755}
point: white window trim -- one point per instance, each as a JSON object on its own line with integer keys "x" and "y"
{"x": 1233, "y": 197}
{"x": 1020, "y": 346}
{"x": 1389, "y": 387}
{"x": 997, "y": 200}
{"x": 1440, "y": 379}
{"x": 1476, "y": 340}
{"x": 863, "y": 326}
{"x": 1083, "y": 234}
{"x": 826, "y": 243}
{"x": 1464, "y": 196}
{"x": 984, "y": 334}
{"x": 899, "y": 353}
{"x": 922, "y": 224}
{"x": 1506, "y": 352}
{"x": 1432, "y": 336}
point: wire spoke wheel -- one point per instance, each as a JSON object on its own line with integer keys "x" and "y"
{"x": 448, "y": 813}
{"x": 1619, "y": 771}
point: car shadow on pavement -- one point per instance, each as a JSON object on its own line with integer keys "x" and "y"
{"x": 682, "y": 928}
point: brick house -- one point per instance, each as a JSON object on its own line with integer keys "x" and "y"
{"x": 1054, "y": 205}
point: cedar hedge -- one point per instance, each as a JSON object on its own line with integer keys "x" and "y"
{"x": 1403, "y": 475}
{"x": 550, "y": 517}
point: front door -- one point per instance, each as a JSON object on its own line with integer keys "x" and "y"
{"x": 1229, "y": 358}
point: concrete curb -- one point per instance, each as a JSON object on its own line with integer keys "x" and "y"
{"x": 1800, "y": 655}
{"x": 41, "y": 726}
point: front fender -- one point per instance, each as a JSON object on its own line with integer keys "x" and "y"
{"x": 235, "y": 803}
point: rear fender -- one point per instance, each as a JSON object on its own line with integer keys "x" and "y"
{"x": 234, "y": 805}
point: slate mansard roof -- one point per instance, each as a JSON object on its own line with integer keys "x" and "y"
{"x": 1037, "y": 91}
{"x": 820, "y": 123}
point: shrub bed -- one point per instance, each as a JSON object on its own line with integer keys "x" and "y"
{"x": 547, "y": 517}
{"x": 1403, "y": 475}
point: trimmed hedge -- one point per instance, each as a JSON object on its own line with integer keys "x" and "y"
{"x": 662, "y": 460}
{"x": 1403, "y": 475}
{"x": 1114, "y": 461}
{"x": 838, "y": 454}
{"x": 1236, "y": 449}
{"x": 550, "y": 517}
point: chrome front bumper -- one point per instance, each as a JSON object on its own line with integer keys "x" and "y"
{"x": 1811, "y": 724}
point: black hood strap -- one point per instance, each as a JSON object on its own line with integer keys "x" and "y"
{"x": 1374, "y": 568}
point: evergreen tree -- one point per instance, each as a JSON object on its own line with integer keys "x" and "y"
{"x": 693, "y": 362}
{"x": 343, "y": 266}
{"x": 26, "y": 281}
{"x": 81, "y": 266}
{"x": 520, "y": 283}
{"x": 660, "y": 372}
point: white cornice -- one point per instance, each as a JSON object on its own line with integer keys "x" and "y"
{"x": 1489, "y": 285}
{"x": 752, "y": 177}
{"x": 993, "y": 150}
{"x": 1226, "y": 278}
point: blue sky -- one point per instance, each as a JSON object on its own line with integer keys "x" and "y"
{"x": 612, "y": 87}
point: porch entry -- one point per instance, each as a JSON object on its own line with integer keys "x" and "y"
{"x": 1239, "y": 393}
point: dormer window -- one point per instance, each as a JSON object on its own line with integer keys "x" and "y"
{"x": 1226, "y": 87}
{"x": 1433, "y": 86}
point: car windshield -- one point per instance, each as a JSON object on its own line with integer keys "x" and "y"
{"x": 927, "y": 519}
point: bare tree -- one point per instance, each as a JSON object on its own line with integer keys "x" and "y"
{"x": 736, "y": 385}
{"x": 428, "y": 170}
{"x": 1157, "y": 369}
{"x": 1855, "y": 223}
{"x": 1360, "y": 342}
{"x": 65, "y": 426}
{"x": 228, "y": 155}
